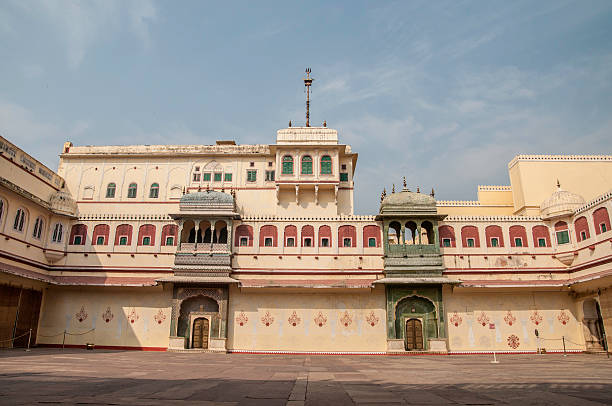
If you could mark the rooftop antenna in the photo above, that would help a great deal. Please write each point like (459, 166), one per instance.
(307, 82)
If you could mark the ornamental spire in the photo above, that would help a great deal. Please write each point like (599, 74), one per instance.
(383, 195)
(307, 82)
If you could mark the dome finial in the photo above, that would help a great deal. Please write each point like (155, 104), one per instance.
(393, 190)
(432, 194)
(382, 195)
(418, 190)
(404, 182)
(558, 184)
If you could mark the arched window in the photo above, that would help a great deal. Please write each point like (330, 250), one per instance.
(326, 165)
(518, 236)
(582, 228)
(154, 191)
(58, 232)
(494, 236)
(562, 232)
(100, 234)
(290, 236)
(268, 236)
(287, 165)
(447, 236)
(146, 234)
(132, 189)
(325, 235)
(38, 226)
(169, 232)
(541, 237)
(110, 190)
(601, 220)
(19, 220)
(1, 208)
(307, 236)
(78, 234)
(306, 165)
(470, 237)
(347, 236)
(244, 236)
(123, 235)
(371, 236)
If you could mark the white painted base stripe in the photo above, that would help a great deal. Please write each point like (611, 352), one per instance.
(509, 352)
(395, 353)
(308, 352)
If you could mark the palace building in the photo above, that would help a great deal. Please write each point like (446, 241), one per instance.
(255, 248)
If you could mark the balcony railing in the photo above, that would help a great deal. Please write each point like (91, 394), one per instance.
(409, 250)
(204, 247)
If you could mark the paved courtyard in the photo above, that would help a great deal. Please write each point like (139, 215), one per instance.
(52, 376)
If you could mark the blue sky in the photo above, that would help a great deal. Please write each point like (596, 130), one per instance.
(445, 93)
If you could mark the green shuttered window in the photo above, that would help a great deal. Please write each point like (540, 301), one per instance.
(326, 165)
(306, 165)
(287, 165)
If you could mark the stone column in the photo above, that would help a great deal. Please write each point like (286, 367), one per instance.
(229, 235)
(180, 234)
(174, 317)
(196, 228)
(386, 237)
(212, 233)
(223, 312)
(434, 231)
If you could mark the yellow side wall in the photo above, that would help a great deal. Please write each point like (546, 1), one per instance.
(534, 180)
(61, 310)
(471, 335)
(281, 335)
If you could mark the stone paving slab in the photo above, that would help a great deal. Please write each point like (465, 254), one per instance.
(70, 377)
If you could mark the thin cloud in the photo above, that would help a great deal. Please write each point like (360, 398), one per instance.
(81, 25)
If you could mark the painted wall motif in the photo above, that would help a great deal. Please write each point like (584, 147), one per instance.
(122, 317)
(300, 321)
(515, 317)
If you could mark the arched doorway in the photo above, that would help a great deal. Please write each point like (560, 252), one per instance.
(200, 333)
(416, 322)
(414, 335)
(194, 308)
(593, 322)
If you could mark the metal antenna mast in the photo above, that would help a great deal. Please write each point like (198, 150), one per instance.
(307, 82)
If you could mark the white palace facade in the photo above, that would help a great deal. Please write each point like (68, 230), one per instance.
(255, 248)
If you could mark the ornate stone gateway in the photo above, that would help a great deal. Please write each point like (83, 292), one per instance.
(202, 268)
(413, 272)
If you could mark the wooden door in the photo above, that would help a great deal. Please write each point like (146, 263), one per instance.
(414, 335)
(200, 333)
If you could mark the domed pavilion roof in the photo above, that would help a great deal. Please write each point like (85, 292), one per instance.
(62, 202)
(560, 203)
(208, 198)
(408, 198)
(207, 203)
(406, 202)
